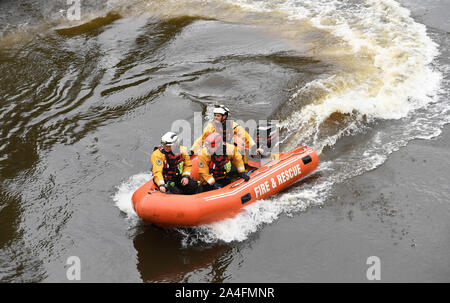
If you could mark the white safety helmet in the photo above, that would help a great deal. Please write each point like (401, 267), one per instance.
(169, 139)
(221, 109)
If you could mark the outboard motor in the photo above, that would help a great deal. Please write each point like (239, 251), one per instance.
(267, 137)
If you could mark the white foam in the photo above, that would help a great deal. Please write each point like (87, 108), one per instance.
(401, 49)
(122, 197)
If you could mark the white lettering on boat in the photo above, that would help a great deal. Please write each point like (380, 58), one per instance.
(262, 189)
(255, 180)
(286, 175)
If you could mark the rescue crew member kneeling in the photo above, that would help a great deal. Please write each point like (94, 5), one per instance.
(214, 163)
(172, 167)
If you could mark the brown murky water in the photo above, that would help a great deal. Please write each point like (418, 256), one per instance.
(82, 103)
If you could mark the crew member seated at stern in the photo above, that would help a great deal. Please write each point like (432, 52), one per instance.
(215, 161)
(172, 167)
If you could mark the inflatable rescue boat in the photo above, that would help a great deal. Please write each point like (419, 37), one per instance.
(170, 210)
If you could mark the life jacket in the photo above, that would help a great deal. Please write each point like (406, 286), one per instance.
(173, 166)
(225, 129)
(219, 166)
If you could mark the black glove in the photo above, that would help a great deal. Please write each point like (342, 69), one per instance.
(244, 176)
(215, 185)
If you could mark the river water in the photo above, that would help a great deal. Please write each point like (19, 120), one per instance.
(83, 103)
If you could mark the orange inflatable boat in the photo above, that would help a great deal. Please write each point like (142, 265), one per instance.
(169, 210)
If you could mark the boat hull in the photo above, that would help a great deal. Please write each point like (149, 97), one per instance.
(169, 210)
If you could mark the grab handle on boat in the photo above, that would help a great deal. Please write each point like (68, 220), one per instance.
(245, 198)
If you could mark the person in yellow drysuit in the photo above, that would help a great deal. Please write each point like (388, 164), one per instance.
(172, 167)
(214, 163)
(226, 128)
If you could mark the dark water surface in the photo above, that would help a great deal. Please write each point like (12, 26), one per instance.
(83, 103)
